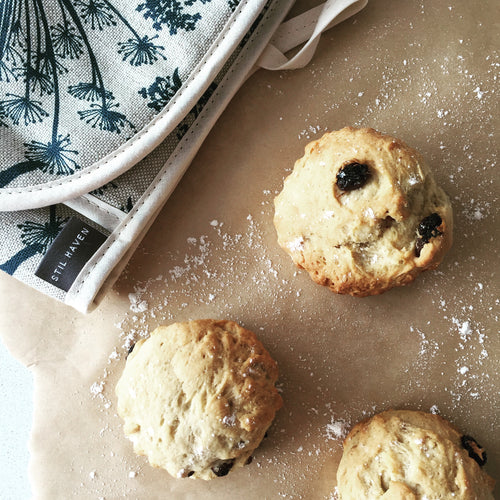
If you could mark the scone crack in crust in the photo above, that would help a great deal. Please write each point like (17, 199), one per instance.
(197, 397)
(409, 454)
(362, 236)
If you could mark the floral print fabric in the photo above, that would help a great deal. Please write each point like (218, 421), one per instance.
(78, 78)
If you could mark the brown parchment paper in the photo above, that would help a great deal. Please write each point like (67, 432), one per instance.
(425, 71)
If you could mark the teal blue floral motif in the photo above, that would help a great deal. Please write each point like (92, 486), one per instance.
(67, 42)
(36, 238)
(36, 53)
(104, 117)
(21, 107)
(89, 92)
(97, 13)
(53, 157)
(171, 14)
(161, 90)
(141, 50)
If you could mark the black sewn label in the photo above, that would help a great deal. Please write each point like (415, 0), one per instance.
(70, 251)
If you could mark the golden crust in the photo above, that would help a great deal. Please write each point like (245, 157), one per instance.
(403, 454)
(361, 242)
(198, 396)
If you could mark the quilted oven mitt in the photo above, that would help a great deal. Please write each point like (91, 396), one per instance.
(103, 105)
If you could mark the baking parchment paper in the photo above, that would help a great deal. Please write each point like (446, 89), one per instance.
(424, 71)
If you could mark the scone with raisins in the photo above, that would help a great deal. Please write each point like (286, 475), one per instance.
(411, 455)
(362, 213)
(197, 397)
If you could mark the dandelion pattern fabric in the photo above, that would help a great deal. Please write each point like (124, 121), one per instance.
(78, 78)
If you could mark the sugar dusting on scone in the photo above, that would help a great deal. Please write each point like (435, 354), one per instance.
(197, 397)
(362, 213)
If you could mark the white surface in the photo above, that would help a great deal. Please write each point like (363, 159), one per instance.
(16, 413)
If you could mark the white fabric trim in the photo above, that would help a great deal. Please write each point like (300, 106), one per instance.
(127, 235)
(97, 210)
(308, 28)
(127, 230)
(115, 164)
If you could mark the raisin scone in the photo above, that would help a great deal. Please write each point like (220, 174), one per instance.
(362, 213)
(411, 455)
(197, 397)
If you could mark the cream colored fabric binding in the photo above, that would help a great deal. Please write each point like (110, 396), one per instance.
(308, 28)
(104, 267)
(125, 215)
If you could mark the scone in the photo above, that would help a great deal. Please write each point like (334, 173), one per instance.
(197, 397)
(411, 455)
(362, 213)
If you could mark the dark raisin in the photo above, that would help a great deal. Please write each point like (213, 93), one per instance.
(190, 473)
(249, 460)
(130, 349)
(427, 229)
(352, 176)
(475, 450)
(222, 468)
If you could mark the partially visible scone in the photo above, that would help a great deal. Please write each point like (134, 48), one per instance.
(362, 213)
(411, 455)
(197, 397)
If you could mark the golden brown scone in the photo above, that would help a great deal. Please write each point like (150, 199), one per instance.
(197, 397)
(411, 455)
(361, 213)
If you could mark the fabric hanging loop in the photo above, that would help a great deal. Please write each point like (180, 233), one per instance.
(306, 27)
(115, 216)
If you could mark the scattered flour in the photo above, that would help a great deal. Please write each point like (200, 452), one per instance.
(337, 429)
(136, 304)
(414, 91)
(97, 388)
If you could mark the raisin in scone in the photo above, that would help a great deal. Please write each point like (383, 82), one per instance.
(197, 397)
(362, 213)
(411, 455)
